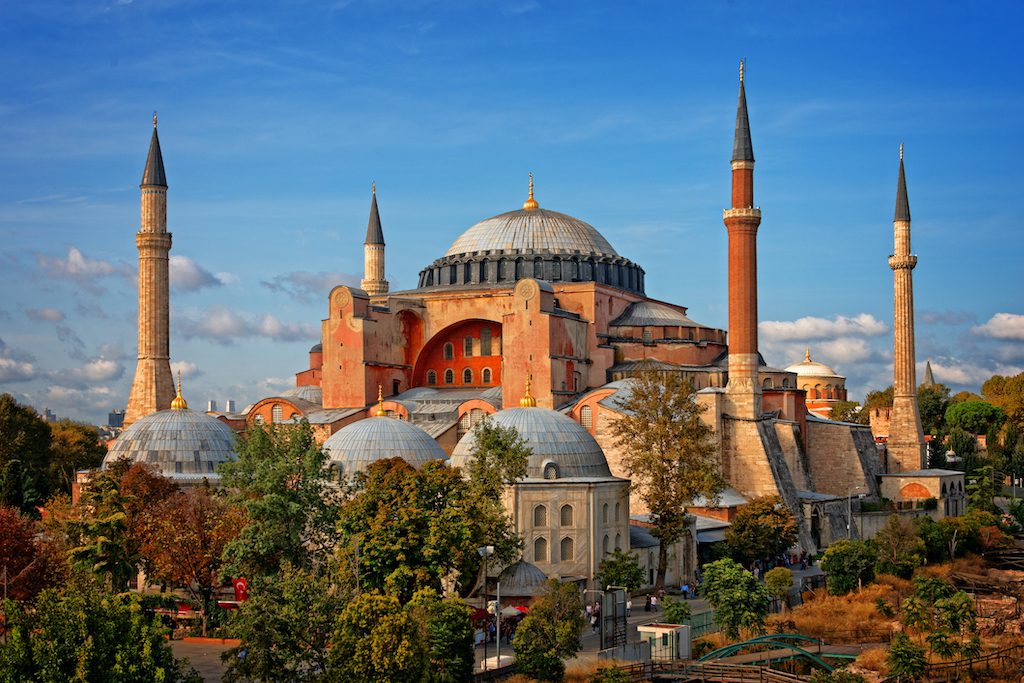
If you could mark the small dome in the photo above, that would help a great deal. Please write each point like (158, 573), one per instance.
(810, 368)
(561, 447)
(651, 314)
(317, 348)
(531, 231)
(312, 394)
(182, 443)
(522, 579)
(354, 447)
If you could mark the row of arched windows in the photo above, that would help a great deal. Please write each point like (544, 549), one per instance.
(540, 516)
(467, 376)
(448, 350)
(818, 392)
(566, 550)
(769, 384)
(604, 512)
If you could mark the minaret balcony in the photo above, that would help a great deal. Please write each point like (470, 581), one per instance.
(752, 212)
(903, 262)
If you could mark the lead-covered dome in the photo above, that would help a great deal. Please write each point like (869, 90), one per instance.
(183, 444)
(355, 447)
(561, 447)
(811, 368)
(532, 230)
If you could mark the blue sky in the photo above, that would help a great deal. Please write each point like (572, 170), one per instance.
(275, 119)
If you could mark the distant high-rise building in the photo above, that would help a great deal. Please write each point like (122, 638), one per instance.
(48, 415)
(211, 406)
(229, 406)
(115, 419)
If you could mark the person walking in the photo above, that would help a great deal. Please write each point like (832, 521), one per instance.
(629, 606)
(647, 603)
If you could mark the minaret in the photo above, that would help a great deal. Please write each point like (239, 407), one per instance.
(929, 378)
(906, 439)
(373, 282)
(153, 386)
(743, 390)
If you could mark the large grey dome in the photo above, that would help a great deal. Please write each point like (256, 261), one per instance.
(532, 230)
(522, 579)
(183, 444)
(355, 447)
(561, 447)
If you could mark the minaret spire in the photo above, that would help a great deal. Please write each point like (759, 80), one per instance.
(906, 444)
(373, 251)
(742, 148)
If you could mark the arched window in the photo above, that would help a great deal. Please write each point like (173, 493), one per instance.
(538, 268)
(449, 376)
(785, 383)
(566, 515)
(618, 511)
(485, 341)
(467, 376)
(618, 541)
(550, 471)
(767, 383)
(449, 351)
(431, 378)
(467, 347)
(567, 550)
(465, 423)
(487, 376)
(540, 550)
(604, 545)
(604, 513)
(587, 417)
(540, 515)
(275, 413)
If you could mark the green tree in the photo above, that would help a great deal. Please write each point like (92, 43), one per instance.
(836, 676)
(932, 401)
(450, 636)
(974, 417)
(24, 456)
(934, 538)
(621, 569)
(279, 479)
(906, 659)
(900, 549)
(881, 398)
(498, 459)
(612, 674)
(763, 529)
(963, 445)
(73, 446)
(81, 633)
(1007, 393)
(848, 411)
(982, 490)
(739, 600)
(287, 625)
(961, 396)
(849, 565)
(675, 611)
(376, 641)
(667, 451)
(550, 633)
(778, 581)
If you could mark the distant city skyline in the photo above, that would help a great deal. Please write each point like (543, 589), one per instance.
(275, 122)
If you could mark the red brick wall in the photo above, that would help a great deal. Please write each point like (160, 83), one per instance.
(432, 357)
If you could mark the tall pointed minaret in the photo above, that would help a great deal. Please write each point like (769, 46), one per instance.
(929, 378)
(153, 386)
(373, 282)
(906, 444)
(743, 390)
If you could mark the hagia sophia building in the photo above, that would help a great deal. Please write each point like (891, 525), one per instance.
(532, 316)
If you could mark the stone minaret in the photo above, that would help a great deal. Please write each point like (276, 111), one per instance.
(742, 220)
(153, 386)
(906, 439)
(373, 253)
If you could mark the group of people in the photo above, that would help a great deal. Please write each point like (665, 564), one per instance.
(488, 631)
(792, 561)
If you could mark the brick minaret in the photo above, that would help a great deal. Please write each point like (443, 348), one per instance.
(153, 386)
(742, 220)
(906, 439)
(373, 282)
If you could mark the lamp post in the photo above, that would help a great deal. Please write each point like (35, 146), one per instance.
(485, 552)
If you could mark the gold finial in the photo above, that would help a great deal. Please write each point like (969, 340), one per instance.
(530, 204)
(380, 402)
(154, 118)
(179, 402)
(373, 187)
(807, 356)
(901, 151)
(741, 69)
(527, 401)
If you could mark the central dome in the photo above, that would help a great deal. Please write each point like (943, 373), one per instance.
(530, 231)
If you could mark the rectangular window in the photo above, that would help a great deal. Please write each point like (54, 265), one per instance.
(467, 347)
(485, 341)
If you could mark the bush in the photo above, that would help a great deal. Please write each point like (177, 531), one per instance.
(906, 659)
(676, 611)
(850, 564)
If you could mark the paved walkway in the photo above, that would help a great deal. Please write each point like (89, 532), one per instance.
(203, 657)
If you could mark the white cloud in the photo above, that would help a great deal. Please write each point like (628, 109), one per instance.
(811, 327)
(222, 325)
(188, 276)
(98, 370)
(953, 371)
(80, 268)
(1002, 326)
(15, 366)
(188, 369)
(304, 285)
(51, 315)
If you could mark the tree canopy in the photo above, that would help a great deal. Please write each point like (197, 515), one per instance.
(550, 633)
(900, 549)
(621, 568)
(24, 455)
(850, 564)
(1007, 393)
(763, 529)
(740, 601)
(668, 452)
(32, 563)
(974, 417)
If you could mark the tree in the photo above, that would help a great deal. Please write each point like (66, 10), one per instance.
(621, 569)
(676, 611)
(286, 626)
(30, 563)
(376, 641)
(1007, 393)
(667, 451)
(906, 659)
(982, 490)
(778, 581)
(73, 446)
(974, 417)
(934, 538)
(279, 479)
(849, 564)
(961, 396)
(881, 398)
(24, 455)
(763, 529)
(450, 635)
(932, 401)
(848, 411)
(836, 676)
(185, 538)
(84, 634)
(963, 445)
(739, 600)
(900, 549)
(498, 459)
(550, 633)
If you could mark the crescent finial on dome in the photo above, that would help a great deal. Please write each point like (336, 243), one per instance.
(530, 204)
(380, 402)
(179, 402)
(527, 401)
(807, 355)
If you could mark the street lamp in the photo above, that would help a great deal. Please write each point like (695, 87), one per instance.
(485, 552)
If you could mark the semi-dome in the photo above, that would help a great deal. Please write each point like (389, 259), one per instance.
(561, 447)
(810, 368)
(355, 447)
(182, 443)
(313, 394)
